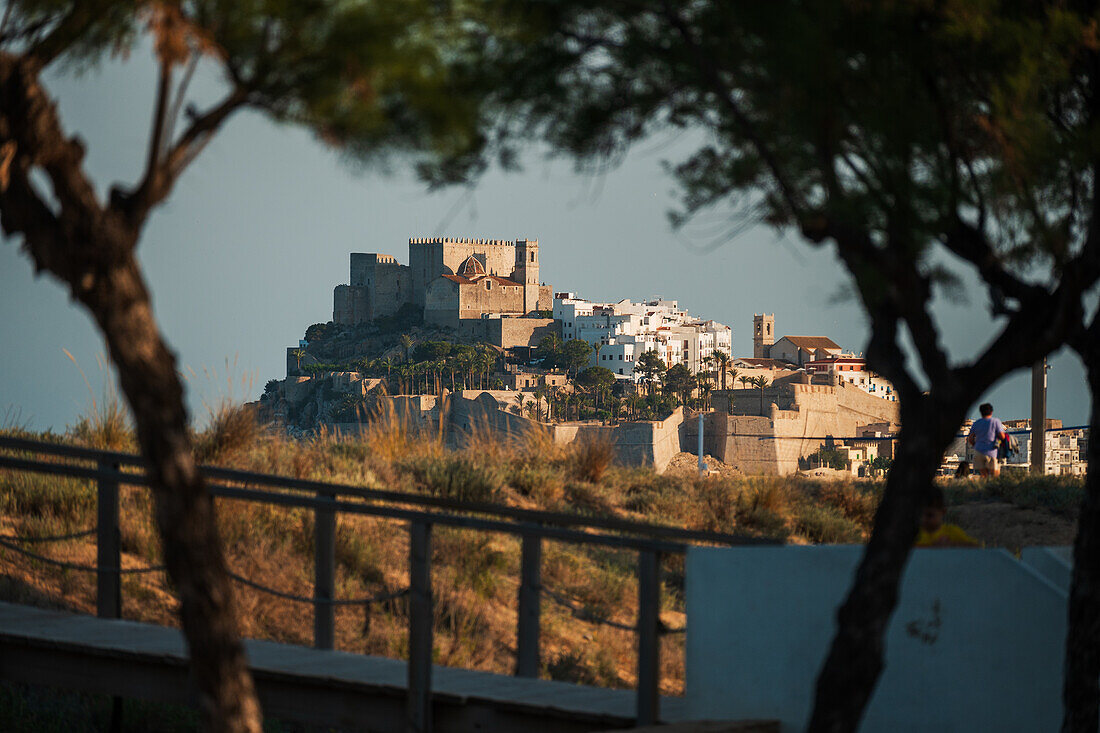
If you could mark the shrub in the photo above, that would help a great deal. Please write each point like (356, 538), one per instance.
(852, 501)
(592, 456)
(231, 429)
(357, 555)
(826, 525)
(105, 426)
(457, 477)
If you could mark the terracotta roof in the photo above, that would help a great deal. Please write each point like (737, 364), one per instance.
(812, 342)
(839, 360)
(773, 363)
(480, 278)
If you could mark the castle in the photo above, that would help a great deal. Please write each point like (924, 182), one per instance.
(453, 281)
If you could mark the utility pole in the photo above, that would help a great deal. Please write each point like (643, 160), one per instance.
(1038, 452)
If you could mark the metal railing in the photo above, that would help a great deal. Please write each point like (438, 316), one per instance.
(649, 541)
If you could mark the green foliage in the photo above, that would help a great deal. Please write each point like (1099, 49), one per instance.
(882, 463)
(679, 380)
(321, 331)
(575, 354)
(1060, 494)
(596, 377)
(432, 350)
(826, 525)
(650, 366)
(457, 477)
(830, 457)
(549, 351)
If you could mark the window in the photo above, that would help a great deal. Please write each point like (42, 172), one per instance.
(532, 256)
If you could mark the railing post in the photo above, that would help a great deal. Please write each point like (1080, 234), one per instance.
(108, 551)
(419, 702)
(108, 596)
(649, 600)
(530, 584)
(324, 576)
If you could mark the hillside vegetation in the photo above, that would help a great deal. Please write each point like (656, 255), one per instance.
(475, 575)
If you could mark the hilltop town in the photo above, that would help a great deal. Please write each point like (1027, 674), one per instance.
(466, 335)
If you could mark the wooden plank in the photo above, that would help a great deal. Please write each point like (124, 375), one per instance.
(649, 640)
(108, 597)
(419, 709)
(530, 586)
(324, 576)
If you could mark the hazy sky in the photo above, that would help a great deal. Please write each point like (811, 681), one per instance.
(246, 252)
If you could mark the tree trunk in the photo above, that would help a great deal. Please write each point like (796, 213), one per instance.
(184, 508)
(855, 659)
(90, 248)
(1081, 694)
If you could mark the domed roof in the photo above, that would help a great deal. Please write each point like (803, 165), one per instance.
(470, 267)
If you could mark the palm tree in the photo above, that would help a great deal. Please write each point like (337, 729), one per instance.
(761, 382)
(704, 392)
(298, 354)
(542, 395)
(722, 360)
(406, 343)
(745, 380)
(708, 362)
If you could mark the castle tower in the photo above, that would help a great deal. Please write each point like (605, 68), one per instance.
(527, 271)
(763, 335)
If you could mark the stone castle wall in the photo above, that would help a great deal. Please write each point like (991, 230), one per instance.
(797, 418)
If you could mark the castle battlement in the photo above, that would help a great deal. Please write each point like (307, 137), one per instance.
(446, 278)
(471, 240)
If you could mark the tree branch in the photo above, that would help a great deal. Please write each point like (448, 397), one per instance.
(722, 92)
(156, 136)
(138, 204)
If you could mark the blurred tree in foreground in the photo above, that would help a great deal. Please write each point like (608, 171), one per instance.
(918, 139)
(370, 78)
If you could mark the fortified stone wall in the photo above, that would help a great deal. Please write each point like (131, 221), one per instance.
(546, 298)
(465, 413)
(441, 302)
(508, 333)
(349, 304)
(488, 296)
(430, 258)
(636, 444)
(798, 417)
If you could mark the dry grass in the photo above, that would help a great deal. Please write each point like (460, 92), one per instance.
(475, 575)
(232, 428)
(592, 457)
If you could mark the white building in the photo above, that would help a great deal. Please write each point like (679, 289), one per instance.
(854, 370)
(620, 333)
(1066, 448)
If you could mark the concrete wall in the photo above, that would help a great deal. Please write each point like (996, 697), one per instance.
(975, 644)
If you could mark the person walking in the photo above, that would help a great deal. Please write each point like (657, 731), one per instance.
(985, 436)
